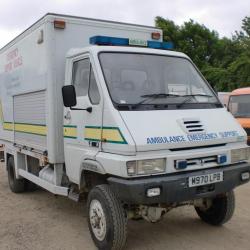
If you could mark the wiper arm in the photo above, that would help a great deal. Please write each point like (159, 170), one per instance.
(154, 96)
(191, 96)
(159, 95)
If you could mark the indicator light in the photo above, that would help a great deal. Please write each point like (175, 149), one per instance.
(156, 35)
(180, 164)
(59, 24)
(221, 159)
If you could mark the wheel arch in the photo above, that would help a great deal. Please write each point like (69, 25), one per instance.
(91, 173)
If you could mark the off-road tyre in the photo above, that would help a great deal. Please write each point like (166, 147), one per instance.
(16, 185)
(116, 220)
(220, 212)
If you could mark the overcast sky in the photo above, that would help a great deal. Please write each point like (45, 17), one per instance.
(222, 16)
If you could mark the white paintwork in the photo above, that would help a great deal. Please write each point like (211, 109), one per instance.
(166, 123)
(44, 184)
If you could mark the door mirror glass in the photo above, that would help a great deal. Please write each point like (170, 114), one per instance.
(69, 96)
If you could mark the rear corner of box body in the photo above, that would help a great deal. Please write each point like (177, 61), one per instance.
(27, 72)
(54, 100)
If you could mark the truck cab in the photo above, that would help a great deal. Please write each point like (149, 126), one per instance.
(239, 106)
(146, 119)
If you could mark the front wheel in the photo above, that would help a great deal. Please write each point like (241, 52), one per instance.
(106, 218)
(220, 211)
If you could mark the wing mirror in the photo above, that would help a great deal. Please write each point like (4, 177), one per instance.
(69, 98)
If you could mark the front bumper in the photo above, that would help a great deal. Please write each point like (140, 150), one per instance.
(174, 187)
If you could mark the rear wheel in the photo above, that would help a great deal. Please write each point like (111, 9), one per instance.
(106, 219)
(16, 185)
(220, 211)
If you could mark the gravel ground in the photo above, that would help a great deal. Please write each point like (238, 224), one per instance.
(40, 220)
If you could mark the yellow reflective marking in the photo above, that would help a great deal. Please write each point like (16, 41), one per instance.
(8, 126)
(26, 128)
(111, 135)
(70, 132)
(93, 133)
(105, 134)
(31, 129)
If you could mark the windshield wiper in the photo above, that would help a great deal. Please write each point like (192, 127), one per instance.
(154, 96)
(190, 97)
(159, 95)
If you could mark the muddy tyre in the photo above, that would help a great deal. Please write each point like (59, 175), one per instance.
(221, 210)
(106, 219)
(16, 185)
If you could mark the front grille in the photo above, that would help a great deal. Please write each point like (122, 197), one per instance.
(202, 161)
(247, 131)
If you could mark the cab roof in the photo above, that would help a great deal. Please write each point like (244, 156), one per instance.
(123, 49)
(241, 91)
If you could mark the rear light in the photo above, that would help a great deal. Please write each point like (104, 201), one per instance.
(59, 24)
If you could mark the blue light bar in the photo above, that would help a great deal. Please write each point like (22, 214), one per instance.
(108, 40)
(160, 45)
(118, 41)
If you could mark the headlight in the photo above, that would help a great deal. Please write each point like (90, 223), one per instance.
(146, 167)
(242, 154)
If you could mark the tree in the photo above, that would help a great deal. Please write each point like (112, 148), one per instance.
(246, 25)
(170, 30)
(225, 62)
(194, 39)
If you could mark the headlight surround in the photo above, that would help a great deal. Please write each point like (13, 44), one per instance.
(241, 154)
(146, 167)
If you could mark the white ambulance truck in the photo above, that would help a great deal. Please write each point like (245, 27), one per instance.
(102, 108)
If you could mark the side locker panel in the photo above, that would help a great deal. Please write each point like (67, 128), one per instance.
(30, 120)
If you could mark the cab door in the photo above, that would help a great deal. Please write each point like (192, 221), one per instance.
(82, 128)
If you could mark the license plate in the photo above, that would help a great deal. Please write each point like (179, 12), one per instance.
(205, 179)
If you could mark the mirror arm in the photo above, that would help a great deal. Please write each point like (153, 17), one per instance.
(89, 109)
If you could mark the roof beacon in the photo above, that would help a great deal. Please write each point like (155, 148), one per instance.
(119, 41)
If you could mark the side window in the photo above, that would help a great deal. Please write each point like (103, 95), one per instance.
(94, 94)
(80, 77)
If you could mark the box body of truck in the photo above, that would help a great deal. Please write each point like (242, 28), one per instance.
(33, 73)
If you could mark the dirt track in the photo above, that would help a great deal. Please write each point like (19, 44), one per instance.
(39, 220)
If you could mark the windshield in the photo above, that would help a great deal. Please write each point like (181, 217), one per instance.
(146, 79)
(239, 106)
